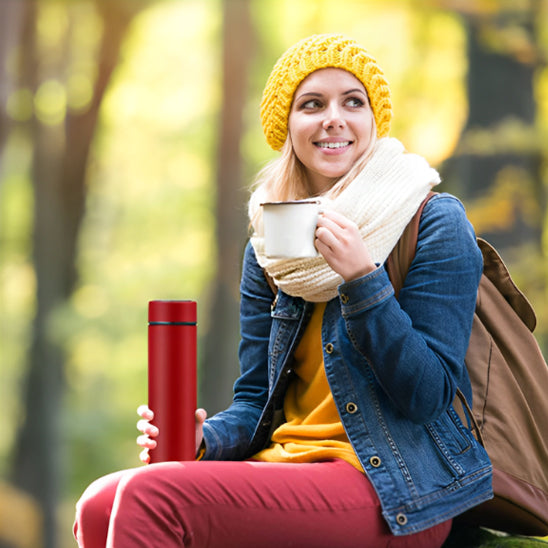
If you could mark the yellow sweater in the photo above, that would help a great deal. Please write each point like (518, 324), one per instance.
(313, 431)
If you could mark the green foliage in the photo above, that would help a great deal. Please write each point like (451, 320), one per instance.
(462, 537)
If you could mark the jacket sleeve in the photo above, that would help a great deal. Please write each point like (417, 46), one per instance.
(227, 434)
(416, 345)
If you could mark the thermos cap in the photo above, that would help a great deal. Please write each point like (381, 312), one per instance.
(172, 312)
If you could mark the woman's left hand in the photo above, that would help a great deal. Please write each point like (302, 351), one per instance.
(338, 240)
(148, 433)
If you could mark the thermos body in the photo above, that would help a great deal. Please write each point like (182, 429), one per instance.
(172, 341)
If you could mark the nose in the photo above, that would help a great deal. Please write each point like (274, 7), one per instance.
(333, 117)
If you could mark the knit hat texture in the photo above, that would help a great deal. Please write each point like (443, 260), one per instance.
(311, 54)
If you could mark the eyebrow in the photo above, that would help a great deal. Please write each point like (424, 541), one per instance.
(316, 94)
(354, 91)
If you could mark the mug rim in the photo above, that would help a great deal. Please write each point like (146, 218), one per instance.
(289, 202)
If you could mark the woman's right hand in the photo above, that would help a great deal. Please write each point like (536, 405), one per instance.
(201, 416)
(149, 431)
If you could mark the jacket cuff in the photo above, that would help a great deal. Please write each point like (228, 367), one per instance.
(365, 292)
(210, 444)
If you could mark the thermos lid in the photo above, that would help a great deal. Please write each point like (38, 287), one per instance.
(172, 312)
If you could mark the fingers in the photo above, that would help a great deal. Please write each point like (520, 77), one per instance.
(333, 229)
(335, 233)
(146, 428)
(144, 456)
(146, 442)
(334, 219)
(339, 241)
(145, 412)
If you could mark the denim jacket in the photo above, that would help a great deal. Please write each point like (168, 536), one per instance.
(393, 367)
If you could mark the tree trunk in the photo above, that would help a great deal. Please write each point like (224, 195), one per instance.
(60, 156)
(11, 16)
(220, 363)
(498, 161)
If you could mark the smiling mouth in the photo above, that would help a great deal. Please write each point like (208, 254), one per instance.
(338, 144)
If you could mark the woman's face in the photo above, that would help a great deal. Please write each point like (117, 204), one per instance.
(330, 124)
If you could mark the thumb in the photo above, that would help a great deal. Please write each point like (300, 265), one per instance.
(200, 415)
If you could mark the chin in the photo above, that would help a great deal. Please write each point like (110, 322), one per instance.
(335, 174)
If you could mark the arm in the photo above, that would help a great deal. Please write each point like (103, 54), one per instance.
(416, 345)
(227, 434)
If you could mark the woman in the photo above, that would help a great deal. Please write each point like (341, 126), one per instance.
(341, 431)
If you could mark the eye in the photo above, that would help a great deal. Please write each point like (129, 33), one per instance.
(355, 102)
(310, 104)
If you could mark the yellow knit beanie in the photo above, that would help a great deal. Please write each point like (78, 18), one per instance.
(313, 53)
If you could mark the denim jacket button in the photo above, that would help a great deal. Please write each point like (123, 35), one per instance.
(329, 348)
(351, 407)
(401, 519)
(375, 461)
(344, 298)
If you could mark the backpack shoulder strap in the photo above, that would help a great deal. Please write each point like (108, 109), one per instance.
(402, 255)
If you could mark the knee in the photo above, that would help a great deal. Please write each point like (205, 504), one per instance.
(140, 487)
(94, 508)
(151, 490)
(94, 503)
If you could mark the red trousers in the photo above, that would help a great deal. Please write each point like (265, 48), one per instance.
(238, 505)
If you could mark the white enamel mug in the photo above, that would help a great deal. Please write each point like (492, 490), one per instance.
(289, 228)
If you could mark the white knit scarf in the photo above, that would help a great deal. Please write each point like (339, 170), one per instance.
(381, 200)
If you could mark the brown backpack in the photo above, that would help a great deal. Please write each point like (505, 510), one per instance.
(509, 379)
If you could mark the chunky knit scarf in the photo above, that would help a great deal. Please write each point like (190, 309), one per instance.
(381, 200)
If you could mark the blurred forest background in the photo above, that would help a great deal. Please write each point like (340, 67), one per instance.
(129, 136)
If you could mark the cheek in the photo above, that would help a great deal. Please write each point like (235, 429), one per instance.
(368, 124)
(295, 129)
(301, 125)
(364, 132)
(300, 151)
(300, 136)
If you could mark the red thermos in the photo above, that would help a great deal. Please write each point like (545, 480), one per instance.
(172, 378)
